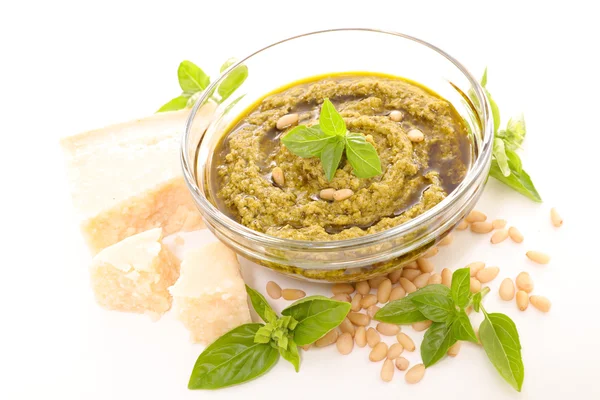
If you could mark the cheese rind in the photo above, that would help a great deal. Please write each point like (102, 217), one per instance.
(210, 296)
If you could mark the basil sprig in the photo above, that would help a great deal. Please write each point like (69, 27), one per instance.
(193, 81)
(328, 140)
(250, 350)
(446, 308)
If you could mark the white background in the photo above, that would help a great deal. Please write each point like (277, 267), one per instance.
(69, 67)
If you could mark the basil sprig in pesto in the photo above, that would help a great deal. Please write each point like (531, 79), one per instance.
(446, 307)
(250, 350)
(328, 140)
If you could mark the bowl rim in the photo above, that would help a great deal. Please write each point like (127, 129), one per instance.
(480, 165)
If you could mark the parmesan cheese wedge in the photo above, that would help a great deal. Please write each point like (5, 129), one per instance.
(210, 295)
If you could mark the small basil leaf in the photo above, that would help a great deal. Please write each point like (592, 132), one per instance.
(232, 359)
(499, 153)
(436, 307)
(178, 103)
(436, 342)
(462, 328)
(484, 78)
(500, 340)
(232, 81)
(305, 141)
(477, 301)
(515, 132)
(401, 311)
(461, 287)
(191, 77)
(261, 306)
(514, 161)
(519, 181)
(316, 315)
(291, 354)
(330, 120)
(362, 156)
(227, 64)
(331, 156)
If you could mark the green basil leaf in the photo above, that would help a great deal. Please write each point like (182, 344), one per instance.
(316, 315)
(462, 328)
(331, 156)
(514, 161)
(178, 103)
(495, 111)
(261, 306)
(436, 342)
(438, 289)
(499, 153)
(484, 78)
(227, 64)
(519, 181)
(401, 311)
(330, 120)
(191, 77)
(515, 132)
(291, 354)
(477, 298)
(434, 306)
(232, 359)
(362, 156)
(461, 287)
(500, 340)
(232, 81)
(306, 142)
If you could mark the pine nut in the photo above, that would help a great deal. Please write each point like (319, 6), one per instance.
(342, 194)
(555, 217)
(411, 274)
(475, 285)
(402, 363)
(524, 282)
(515, 235)
(507, 290)
(499, 236)
(277, 175)
(355, 303)
(487, 274)
(373, 337)
(327, 194)
(384, 290)
(387, 329)
(359, 319)
(446, 277)
(431, 252)
(475, 267)
(394, 351)
(447, 240)
(397, 293)
(454, 349)
(363, 288)
(411, 265)
(462, 225)
(305, 347)
(405, 341)
(395, 275)
(475, 216)
(368, 300)
(415, 374)
(481, 227)
(292, 294)
(538, 257)
(345, 343)
(360, 336)
(522, 300)
(541, 303)
(396, 116)
(499, 223)
(379, 352)
(435, 279)
(347, 327)
(287, 120)
(372, 310)
(387, 371)
(415, 135)
(375, 282)
(342, 288)
(342, 297)
(422, 325)
(425, 265)
(273, 290)
(407, 285)
(421, 280)
(469, 310)
(329, 339)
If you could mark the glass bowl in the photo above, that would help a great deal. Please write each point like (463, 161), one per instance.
(320, 53)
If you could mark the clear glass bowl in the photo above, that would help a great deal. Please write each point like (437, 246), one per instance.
(318, 53)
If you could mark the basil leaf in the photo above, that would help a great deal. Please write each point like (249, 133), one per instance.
(484, 78)
(330, 120)
(232, 359)
(291, 354)
(515, 132)
(362, 156)
(436, 342)
(500, 340)
(316, 315)
(178, 103)
(519, 181)
(434, 306)
(191, 78)
(401, 311)
(514, 161)
(232, 81)
(477, 301)
(331, 156)
(462, 328)
(499, 153)
(495, 110)
(461, 287)
(438, 289)
(227, 64)
(306, 142)
(261, 306)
